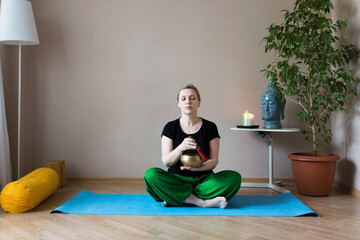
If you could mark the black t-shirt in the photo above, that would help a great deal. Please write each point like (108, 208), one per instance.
(206, 133)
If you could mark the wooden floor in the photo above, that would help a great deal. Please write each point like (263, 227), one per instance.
(340, 219)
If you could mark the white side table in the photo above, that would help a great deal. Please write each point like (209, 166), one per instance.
(262, 133)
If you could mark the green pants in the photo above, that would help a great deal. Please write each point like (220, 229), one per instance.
(174, 189)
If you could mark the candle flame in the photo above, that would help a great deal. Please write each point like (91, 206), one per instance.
(248, 115)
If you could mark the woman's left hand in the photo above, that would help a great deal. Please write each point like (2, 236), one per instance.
(190, 168)
(203, 167)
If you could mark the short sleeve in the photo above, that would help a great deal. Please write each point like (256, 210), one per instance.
(169, 130)
(213, 131)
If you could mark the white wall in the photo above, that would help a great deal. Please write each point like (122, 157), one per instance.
(107, 74)
(346, 128)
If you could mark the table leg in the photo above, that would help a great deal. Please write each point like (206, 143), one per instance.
(274, 186)
(271, 168)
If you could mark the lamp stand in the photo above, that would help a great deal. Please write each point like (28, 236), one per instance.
(17, 27)
(19, 117)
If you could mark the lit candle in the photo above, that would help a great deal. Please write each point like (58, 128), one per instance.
(248, 119)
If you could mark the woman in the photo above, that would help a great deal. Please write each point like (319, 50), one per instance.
(181, 184)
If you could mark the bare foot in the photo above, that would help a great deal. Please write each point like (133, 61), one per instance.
(218, 202)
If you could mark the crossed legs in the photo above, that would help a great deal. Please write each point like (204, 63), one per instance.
(213, 190)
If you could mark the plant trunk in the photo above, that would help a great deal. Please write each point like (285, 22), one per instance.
(312, 113)
(314, 140)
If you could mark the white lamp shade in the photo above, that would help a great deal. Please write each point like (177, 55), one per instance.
(17, 23)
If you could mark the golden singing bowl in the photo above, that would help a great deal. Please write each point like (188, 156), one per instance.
(193, 160)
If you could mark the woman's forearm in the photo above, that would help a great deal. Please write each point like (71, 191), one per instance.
(210, 164)
(169, 159)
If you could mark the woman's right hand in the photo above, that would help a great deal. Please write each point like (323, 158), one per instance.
(188, 144)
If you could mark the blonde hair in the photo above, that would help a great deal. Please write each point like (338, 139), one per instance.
(189, 86)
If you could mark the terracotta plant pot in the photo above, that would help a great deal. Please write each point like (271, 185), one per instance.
(314, 175)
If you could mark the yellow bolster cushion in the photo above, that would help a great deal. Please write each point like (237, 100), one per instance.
(27, 192)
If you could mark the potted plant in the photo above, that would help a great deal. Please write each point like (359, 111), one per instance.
(310, 70)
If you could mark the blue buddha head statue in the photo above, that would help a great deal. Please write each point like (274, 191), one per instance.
(272, 106)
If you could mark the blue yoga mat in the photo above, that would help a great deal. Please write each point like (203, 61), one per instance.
(281, 205)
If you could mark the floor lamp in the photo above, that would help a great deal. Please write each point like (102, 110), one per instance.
(17, 27)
